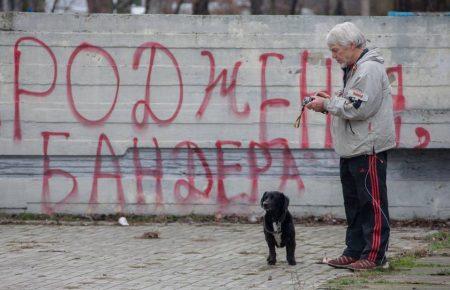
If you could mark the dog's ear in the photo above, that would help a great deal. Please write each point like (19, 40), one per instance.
(286, 203)
(263, 198)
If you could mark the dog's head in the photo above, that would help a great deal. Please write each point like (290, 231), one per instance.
(274, 201)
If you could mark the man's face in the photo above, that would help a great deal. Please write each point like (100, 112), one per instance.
(342, 54)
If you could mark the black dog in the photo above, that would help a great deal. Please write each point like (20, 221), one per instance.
(278, 226)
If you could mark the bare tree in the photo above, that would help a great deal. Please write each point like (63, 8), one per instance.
(36, 5)
(177, 9)
(41, 5)
(6, 5)
(23, 5)
(255, 7)
(123, 6)
(402, 5)
(158, 6)
(54, 6)
(438, 5)
(200, 7)
(339, 8)
(293, 7)
(273, 7)
(17, 5)
(365, 7)
(281, 7)
(422, 5)
(327, 7)
(100, 6)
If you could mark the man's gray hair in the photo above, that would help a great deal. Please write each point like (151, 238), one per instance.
(345, 34)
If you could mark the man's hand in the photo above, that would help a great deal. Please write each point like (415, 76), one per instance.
(323, 95)
(318, 103)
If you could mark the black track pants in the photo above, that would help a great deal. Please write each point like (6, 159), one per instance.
(363, 181)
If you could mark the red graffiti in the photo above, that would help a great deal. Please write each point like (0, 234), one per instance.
(255, 170)
(423, 137)
(304, 93)
(141, 172)
(20, 91)
(398, 99)
(290, 170)
(198, 180)
(278, 102)
(98, 174)
(193, 192)
(223, 170)
(328, 139)
(224, 91)
(399, 106)
(154, 46)
(49, 172)
(90, 48)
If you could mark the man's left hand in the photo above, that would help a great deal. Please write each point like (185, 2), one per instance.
(317, 104)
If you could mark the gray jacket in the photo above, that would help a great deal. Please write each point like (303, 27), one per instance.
(363, 118)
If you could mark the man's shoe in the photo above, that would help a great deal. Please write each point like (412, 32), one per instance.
(342, 261)
(362, 265)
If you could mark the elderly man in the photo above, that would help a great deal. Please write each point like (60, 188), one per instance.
(362, 131)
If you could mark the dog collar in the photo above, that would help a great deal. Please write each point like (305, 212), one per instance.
(276, 233)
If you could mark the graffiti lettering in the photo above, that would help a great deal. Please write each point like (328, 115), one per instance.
(90, 48)
(141, 172)
(20, 91)
(278, 102)
(49, 172)
(154, 46)
(224, 91)
(98, 174)
(193, 192)
(262, 152)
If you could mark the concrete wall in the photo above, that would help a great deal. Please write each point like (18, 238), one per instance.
(87, 127)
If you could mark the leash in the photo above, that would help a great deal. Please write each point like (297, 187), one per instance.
(306, 101)
(297, 122)
(278, 231)
(276, 234)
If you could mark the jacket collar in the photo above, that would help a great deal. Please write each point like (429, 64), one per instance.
(353, 67)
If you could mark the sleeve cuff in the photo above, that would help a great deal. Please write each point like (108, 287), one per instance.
(326, 103)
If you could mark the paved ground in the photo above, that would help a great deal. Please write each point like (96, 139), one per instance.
(185, 256)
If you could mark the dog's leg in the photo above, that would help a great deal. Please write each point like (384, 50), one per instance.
(272, 258)
(290, 253)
